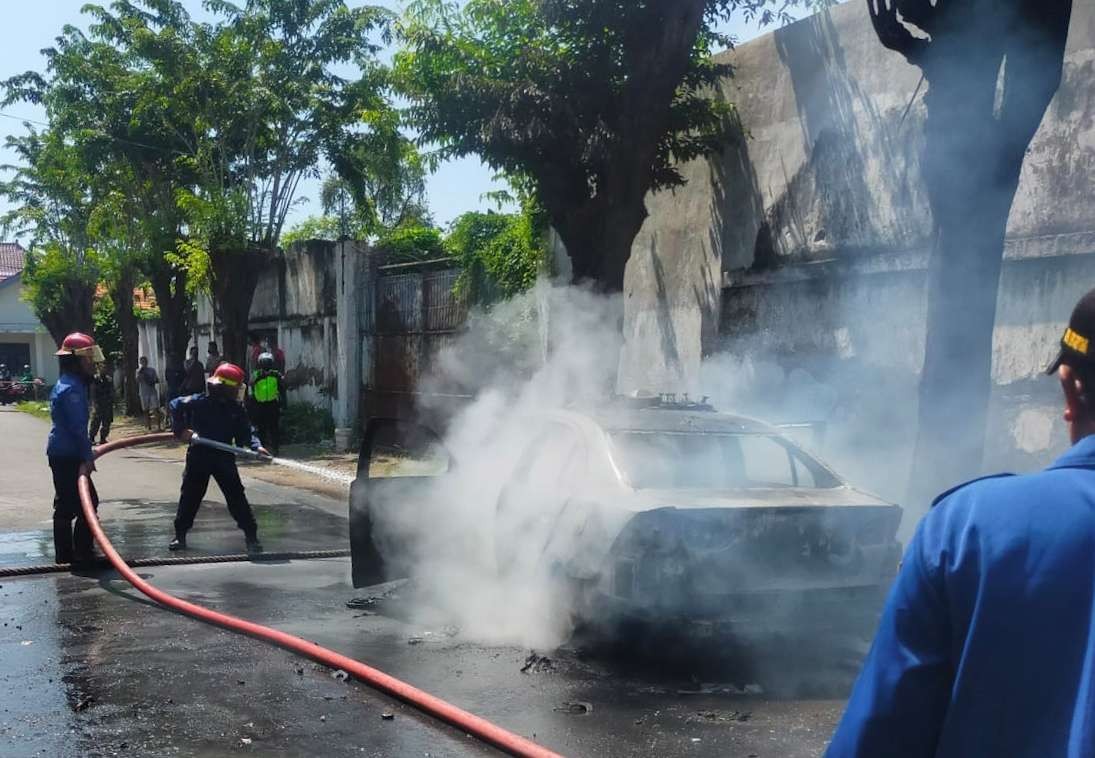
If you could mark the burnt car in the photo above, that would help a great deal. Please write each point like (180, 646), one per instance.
(657, 512)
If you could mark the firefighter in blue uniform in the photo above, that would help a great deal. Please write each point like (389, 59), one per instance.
(986, 646)
(69, 447)
(216, 415)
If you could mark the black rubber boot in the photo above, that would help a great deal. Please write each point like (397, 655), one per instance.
(179, 543)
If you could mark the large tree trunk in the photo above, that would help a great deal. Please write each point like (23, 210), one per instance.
(122, 295)
(176, 312)
(235, 276)
(598, 237)
(992, 69)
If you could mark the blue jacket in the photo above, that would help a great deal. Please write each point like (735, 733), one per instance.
(214, 418)
(68, 408)
(987, 643)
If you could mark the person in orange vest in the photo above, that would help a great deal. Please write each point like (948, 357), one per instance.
(217, 414)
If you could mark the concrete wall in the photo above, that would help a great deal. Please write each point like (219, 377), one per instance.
(794, 260)
(19, 326)
(295, 301)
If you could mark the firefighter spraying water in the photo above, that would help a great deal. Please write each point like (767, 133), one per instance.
(219, 416)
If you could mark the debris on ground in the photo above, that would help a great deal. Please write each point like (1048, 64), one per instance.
(722, 689)
(340, 675)
(245, 740)
(537, 664)
(83, 703)
(388, 716)
(416, 640)
(720, 717)
(382, 592)
(579, 708)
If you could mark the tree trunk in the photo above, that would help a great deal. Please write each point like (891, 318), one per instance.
(176, 311)
(122, 295)
(981, 118)
(235, 277)
(598, 238)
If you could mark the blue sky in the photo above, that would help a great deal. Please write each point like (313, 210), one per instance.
(456, 187)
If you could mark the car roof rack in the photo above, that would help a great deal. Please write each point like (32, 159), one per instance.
(669, 401)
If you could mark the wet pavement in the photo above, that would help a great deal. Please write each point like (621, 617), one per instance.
(93, 668)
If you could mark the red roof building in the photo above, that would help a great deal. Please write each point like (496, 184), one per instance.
(12, 259)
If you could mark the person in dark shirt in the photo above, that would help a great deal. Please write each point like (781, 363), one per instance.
(216, 415)
(102, 395)
(194, 383)
(69, 447)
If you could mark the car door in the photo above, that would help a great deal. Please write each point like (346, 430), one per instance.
(535, 495)
(400, 467)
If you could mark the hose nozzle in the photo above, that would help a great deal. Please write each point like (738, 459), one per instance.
(239, 452)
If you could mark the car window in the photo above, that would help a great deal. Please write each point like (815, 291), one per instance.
(676, 460)
(766, 462)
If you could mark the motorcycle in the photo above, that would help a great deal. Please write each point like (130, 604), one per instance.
(12, 392)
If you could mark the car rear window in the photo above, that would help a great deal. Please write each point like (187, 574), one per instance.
(676, 460)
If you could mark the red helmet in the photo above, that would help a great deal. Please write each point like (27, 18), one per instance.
(81, 344)
(228, 374)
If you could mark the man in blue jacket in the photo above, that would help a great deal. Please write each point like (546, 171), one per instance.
(69, 447)
(217, 415)
(986, 646)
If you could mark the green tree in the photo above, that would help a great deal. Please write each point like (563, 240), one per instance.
(51, 192)
(596, 101)
(500, 254)
(100, 91)
(262, 106)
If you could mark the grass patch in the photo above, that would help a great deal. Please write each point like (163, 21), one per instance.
(39, 408)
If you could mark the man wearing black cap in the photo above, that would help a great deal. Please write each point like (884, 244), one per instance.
(987, 643)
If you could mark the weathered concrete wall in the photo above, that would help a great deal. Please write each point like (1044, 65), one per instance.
(295, 302)
(796, 257)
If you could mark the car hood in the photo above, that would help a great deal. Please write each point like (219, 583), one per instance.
(780, 497)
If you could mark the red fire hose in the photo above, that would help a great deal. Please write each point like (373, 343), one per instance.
(471, 724)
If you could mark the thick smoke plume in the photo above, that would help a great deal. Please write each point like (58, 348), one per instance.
(552, 348)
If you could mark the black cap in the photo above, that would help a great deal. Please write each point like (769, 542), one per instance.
(1078, 342)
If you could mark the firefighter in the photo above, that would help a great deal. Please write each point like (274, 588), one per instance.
(217, 415)
(268, 396)
(986, 646)
(69, 447)
(102, 394)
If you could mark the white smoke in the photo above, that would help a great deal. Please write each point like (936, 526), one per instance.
(552, 348)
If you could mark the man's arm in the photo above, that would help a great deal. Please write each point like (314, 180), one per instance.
(245, 433)
(901, 697)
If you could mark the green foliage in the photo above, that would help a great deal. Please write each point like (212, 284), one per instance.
(312, 228)
(107, 331)
(500, 254)
(306, 423)
(597, 102)
(411, 243)
(59, 284)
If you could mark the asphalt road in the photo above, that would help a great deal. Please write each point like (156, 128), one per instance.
(92, 668)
